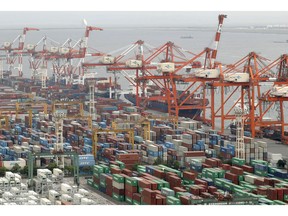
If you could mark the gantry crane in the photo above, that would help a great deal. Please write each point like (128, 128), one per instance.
(65, 105)
(28, 106)
(67, 52)
(6, 121)
(96, 132)
(143, 122)
(12, 54)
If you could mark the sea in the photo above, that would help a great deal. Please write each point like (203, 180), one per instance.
(235, 43)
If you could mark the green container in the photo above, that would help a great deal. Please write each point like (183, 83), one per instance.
(121, 164)
(240, 193)
(286, 197)
(238, 161)
(168, 169)
(103, 183)
(118, 197)
(128, 200)
(250, 188)
(159, 183)
(171, 200)
(106, 169)
(237, 187)
(219, 182)
(165, 183)
(240, 178)
(261, 173)
(96, 186)
(178, 194)
(199, 175)
(90, 182)
(253, 162)
(118, 178)
(131, 181)
(227, 186)
(278, 202)
(188, 182)
(97, 175)
(140, 190)
(136, 202)
(98, 169)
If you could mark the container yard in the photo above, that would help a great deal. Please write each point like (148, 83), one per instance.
(76, 139)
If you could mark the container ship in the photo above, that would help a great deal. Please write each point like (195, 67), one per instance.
(162, 106)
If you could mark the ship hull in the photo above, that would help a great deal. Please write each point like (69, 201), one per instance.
(163, 107)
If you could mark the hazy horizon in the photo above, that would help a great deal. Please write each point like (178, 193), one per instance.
(140, 19)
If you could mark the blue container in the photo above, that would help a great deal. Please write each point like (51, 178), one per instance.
(200, 142)
(247, 133)
(150, 170)
(223, 149)
(209, 181)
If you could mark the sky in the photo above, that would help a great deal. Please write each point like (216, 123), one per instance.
(148, 13)
(140, 18)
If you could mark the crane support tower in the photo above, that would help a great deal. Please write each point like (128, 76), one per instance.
(240, 148)
(58, 147)
(92, 113)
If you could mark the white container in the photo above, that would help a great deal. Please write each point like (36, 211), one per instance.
(86, 201)
(45, 201)
(207, 73)
(54, 49)
(65, 188)
(9, 164)
(64, 50)
(166, 67)
(15, 191)
(42, 177)
(237, 77)
(30, 46)
(77, 199)
(83, 192)
(134, 63)
(10, 176)
(118, 185)
(107, 60)
(8, 196)
(58, 172)
(6, 44)
(31, 202)
(66, 198)
(53, 195)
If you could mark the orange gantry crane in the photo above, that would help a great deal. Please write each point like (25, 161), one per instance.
(276, 96)
(171, 74)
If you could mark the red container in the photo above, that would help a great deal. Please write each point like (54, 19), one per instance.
(137, 197)
(206, 165)
(189, 175)
(212, 189)
(118, 191)
(201, 182)
(144, 184)
(280, 194)
(211, 162)
(184, 200)
(258, 182)
(179, 189)
(131, 188)
(232, 177)
(236, 170)
(159, 174)
(129, 194)
(148, 193)
(226, 166)
(247, 168)
(272, 193)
